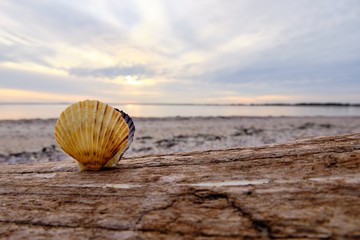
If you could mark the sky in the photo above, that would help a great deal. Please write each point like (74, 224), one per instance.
(169, 51)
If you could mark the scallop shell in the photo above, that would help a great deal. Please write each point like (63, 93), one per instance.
(94, 133)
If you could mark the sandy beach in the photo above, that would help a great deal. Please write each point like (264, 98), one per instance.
(30, 141)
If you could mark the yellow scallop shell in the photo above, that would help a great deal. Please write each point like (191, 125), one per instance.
(94, 133)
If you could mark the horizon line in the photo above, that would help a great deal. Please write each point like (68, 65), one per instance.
(338, 104)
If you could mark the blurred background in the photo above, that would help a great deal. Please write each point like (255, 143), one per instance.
(187, 52)
(195, 75)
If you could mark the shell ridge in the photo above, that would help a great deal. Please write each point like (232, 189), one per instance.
(112, 162)
(84, 108)
(86, 133)
(103, 131)
(77, 125)
(124, 129)
(118, 131)
(93, 125)
(111, 145)
(60, 131)
(60, 141)
(122, 137)
(72, 140)
(125, 147)
(85, 127)
(76, 142)
(120, 142)
(105, 155)
(79, 144)
(101, 110)
(108, 123)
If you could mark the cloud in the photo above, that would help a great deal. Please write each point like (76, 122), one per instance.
(202, 50)
(112, 72)
(21, 52)
(71, 88)
(31, 81)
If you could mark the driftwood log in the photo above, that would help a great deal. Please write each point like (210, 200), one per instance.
(304, 189)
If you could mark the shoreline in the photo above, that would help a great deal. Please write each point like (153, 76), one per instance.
(306, 104)
(20, 112)
(32, 140)
(171, 118)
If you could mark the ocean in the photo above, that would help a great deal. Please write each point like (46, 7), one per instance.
(45, 111)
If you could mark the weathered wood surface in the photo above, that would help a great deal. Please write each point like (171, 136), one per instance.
(305, 189)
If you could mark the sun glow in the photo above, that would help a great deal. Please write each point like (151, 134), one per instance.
(132, 80)
(15, 95)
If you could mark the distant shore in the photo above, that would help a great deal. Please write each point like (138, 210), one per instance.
(302, 104)
(53, 110)
(30, 141)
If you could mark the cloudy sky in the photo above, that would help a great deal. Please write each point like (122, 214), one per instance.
(170, 51)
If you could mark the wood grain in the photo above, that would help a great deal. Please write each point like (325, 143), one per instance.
(304, 189)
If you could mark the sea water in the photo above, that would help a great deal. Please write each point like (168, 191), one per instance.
(44, 111)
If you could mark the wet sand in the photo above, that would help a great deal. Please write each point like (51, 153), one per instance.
(30, 141)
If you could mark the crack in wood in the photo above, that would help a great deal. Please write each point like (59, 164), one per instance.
(259, 226)
(144, 213)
